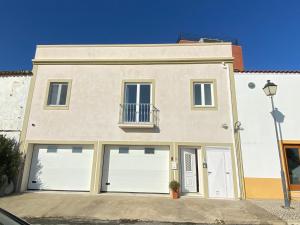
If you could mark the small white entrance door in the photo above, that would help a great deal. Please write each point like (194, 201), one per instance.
(189, 170)
(219, 168)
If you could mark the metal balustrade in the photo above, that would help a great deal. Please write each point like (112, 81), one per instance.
(143, 113)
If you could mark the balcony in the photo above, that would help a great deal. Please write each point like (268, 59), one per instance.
(143, 115)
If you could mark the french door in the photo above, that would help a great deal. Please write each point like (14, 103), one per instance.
(137, 102)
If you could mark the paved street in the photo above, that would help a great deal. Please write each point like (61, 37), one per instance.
(127, 209)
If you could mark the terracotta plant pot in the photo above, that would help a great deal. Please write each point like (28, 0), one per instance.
(175, 194)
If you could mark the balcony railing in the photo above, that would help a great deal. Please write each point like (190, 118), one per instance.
(138, 115)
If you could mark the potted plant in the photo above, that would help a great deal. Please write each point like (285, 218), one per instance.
(174, 186)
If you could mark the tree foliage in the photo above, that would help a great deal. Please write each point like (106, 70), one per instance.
(10, 158)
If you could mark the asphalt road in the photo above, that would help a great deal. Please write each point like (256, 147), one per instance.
(61, 221)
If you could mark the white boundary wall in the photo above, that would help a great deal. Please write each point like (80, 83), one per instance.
(13, 96)
(258, 139)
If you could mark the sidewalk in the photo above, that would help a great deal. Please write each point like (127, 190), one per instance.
(291, 216)
(135, 207)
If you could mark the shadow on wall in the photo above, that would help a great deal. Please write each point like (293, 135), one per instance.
(141, 130)
(36, 176)
(279, 118)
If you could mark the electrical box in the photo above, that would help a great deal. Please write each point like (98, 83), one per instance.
(174, 165)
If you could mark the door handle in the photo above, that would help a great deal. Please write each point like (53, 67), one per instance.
(107, 183)
(209, 172)
(227, 172)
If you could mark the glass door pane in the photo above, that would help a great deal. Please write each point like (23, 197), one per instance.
(129, 107)
(145, 106)
(293, 161)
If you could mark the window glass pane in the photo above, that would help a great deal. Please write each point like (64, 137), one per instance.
(207, 94)
(149, 150)
(293, 160)
(53, 92)
(51, 149)
(188, 162)
(129, 107)
(77, 150)
(123, 150)
(145, 93)
(6, 220)
(63, 94)
(130, 93)
(197, 94)
(144, 107)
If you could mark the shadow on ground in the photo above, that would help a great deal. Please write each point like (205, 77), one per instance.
(66, 221)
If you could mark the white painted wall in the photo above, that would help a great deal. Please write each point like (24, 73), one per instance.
(259, 148)
(13, 95)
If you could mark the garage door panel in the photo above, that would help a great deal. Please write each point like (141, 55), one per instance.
(136, 171)
(61, 169)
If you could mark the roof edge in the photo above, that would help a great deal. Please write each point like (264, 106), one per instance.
(132, 45)
(269, 71)
(15, 73)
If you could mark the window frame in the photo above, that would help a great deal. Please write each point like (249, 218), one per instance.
(64, 107)
(292, 187)
(213, 83)
(140, 82)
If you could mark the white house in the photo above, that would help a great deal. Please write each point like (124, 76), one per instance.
(131, 118)
(14, 86)
(257, 135)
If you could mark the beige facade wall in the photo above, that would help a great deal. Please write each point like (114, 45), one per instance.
(113, 52)
(93, 112)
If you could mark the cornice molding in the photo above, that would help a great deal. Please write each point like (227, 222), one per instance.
(130, 61)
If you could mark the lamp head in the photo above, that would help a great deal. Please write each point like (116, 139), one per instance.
(270, 88)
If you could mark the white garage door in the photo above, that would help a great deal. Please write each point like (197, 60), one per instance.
(136, 169)
(61, 168)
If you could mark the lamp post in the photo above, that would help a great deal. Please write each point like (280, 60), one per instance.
(270, 90)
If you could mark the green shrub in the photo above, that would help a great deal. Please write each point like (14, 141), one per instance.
(10, 159)
(174, 185)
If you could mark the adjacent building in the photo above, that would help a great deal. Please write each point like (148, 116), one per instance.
(131, 118)
(14, 86)
(258, 139)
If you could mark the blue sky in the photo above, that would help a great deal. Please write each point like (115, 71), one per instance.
(268, 30)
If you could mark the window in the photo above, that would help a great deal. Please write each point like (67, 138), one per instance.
(292, 157)
(77, 150)
(51, 149)
(137, 102)
(203, 94)
(57, 93)
(123, 150)
(188, 162)
(149, 151)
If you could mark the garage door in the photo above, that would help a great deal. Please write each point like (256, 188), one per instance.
(61, 168)
(136, 169)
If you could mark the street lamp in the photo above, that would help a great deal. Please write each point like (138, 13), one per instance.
(270, 90)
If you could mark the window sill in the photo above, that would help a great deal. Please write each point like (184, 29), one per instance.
(137, 125)
(204, 107)
(56, 107)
